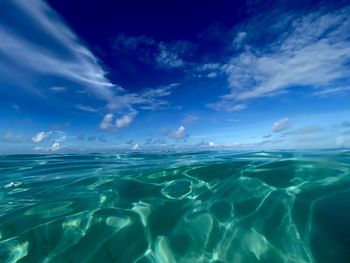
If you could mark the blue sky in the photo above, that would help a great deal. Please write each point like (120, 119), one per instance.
(102, 76)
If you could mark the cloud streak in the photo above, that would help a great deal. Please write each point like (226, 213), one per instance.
(71, 60)
(50, 49)
(281, 125)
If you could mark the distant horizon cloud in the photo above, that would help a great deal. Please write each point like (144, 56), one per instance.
(178, 134)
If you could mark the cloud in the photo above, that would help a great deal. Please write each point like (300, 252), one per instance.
(212, 75)
(55, 146)
(169, 56)
(124, 121)
(148, 99)
(331, 91)
(40, 136)
(106, 122)
(57, 136)
(146, 49)
(58, 89)
(48, 47)
(135, 147)
(109, 123)
(239, 39)
(86, 108)
(226, 105)
(179, 134)
(281, 125)
(211, 144)
(311, 50)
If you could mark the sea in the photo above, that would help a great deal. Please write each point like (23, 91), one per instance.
(164, 207)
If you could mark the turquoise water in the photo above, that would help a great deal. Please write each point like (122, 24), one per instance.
(176, 207)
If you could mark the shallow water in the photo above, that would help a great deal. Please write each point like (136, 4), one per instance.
(176, 207)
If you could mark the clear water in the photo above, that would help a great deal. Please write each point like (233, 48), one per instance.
(176, 207)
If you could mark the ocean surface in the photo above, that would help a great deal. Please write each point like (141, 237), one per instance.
(176, 207)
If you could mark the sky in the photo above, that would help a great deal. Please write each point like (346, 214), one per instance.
(89, 76)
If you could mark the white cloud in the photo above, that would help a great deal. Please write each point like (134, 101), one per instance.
(211, 144)
(86, 108)
(179, 134)
(124, 121)
(69, 60)
(106, 122)
(57, 136)
(58, 89)
(281, 125)
(109, 124)
(212, 75)
(135, 147)
(40, 136)
(313, 52)
(239, 39)
(55, 146)
(331, 91)
(55, 50)
(148, 99)
(226, 105)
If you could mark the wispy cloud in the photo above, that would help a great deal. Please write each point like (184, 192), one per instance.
(51, 49)
(281, 125)
(148, 99)
(331, 91)
(226, 105)
(170, 55)
(86, 108)
(58, 89)
(71, 60)
(160, 54)
(310, 50)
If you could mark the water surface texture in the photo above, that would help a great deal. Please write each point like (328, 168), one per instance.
(176, 207)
